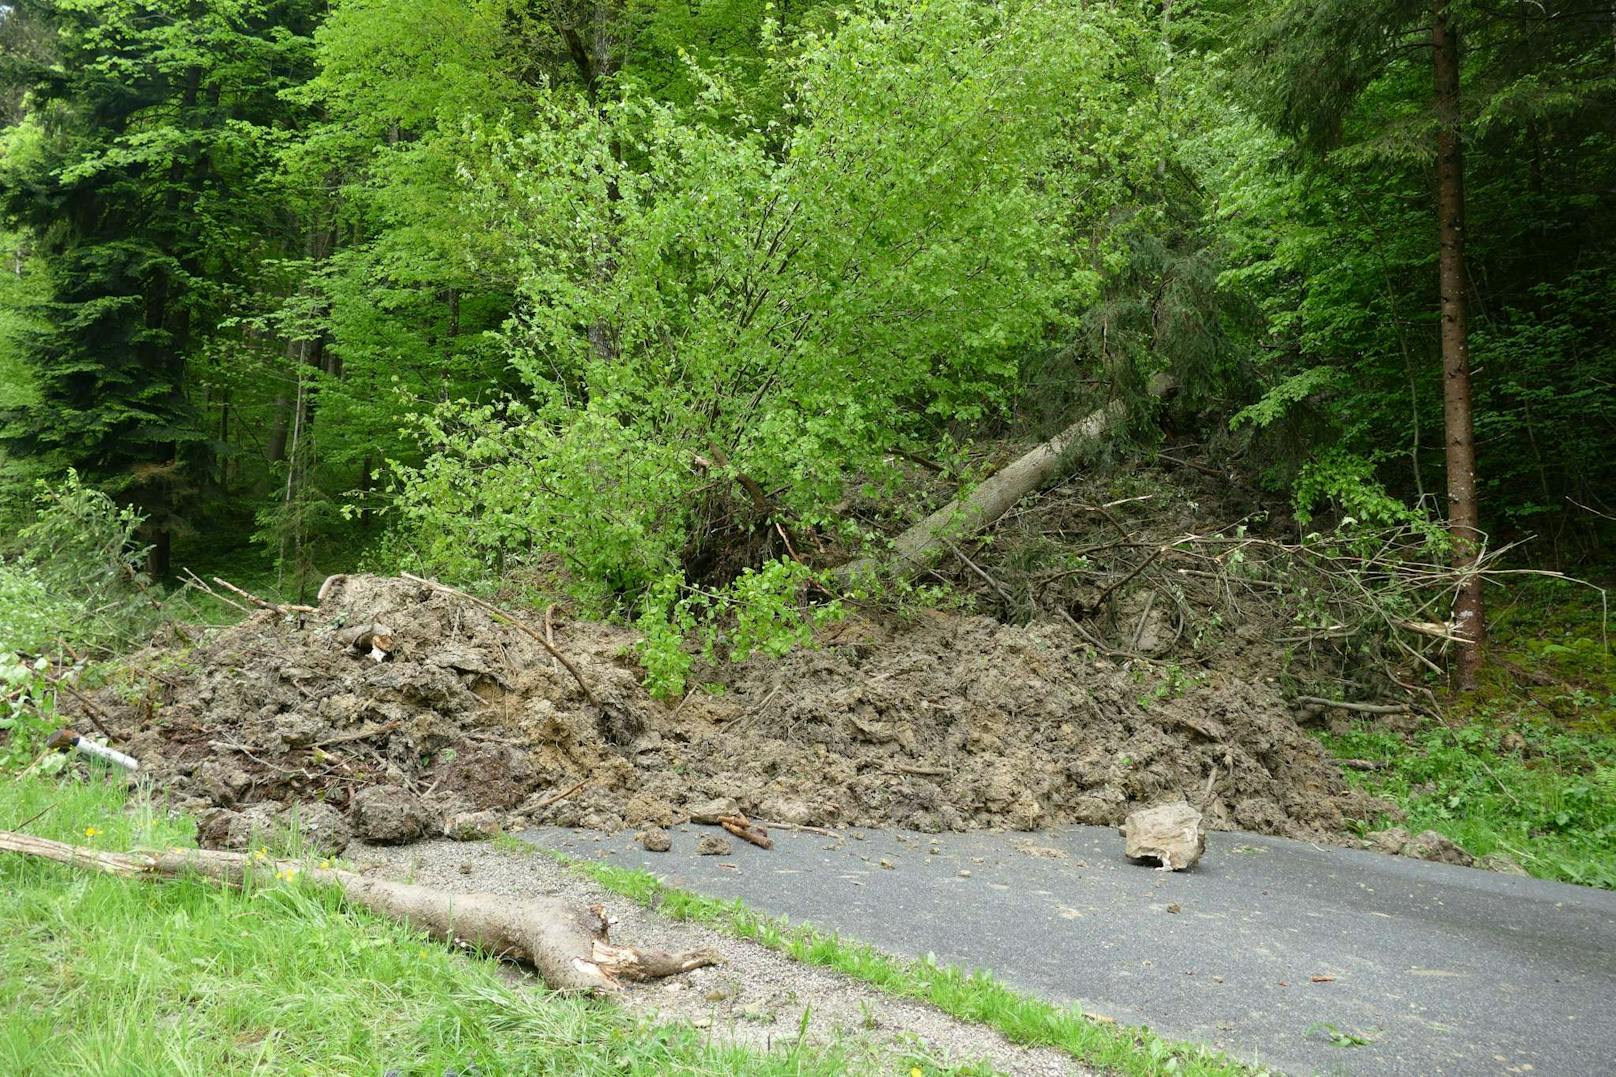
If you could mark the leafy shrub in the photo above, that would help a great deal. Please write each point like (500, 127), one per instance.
(26, 703)
(708, 301)
(76, 576)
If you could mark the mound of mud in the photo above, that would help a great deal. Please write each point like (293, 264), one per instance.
(946, 722)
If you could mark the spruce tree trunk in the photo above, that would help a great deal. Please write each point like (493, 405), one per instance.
(1469, 620)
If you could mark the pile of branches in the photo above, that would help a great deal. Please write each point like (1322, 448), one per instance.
(1364, 611)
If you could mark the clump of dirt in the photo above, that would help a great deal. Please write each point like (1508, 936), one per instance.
(940, 722)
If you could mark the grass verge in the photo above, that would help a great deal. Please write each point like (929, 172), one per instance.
(108, 976)
(969, 996)
(1526, 764)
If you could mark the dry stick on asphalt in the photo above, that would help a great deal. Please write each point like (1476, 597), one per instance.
(737, 825)
(618, 717)
(564, 941)
(800, 828)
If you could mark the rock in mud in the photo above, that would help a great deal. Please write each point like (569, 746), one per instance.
(643, 809)
(714, 846)
(223, 782)
(1173, 835)
(1426, 845)
(789, 810)
(1502, 863)
(321, 827)
(709, 811)
(388, 815)
(471, 826)
(1389, 841)
(655, 840)
(252, 826)
(1429, 845)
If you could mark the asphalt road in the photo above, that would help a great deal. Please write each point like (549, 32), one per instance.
(1257, 950)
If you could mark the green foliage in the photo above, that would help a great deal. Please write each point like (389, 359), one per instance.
(1550, 804)
(1526, 766)
(761, 610)
(1279, 399)
(26, 708)
(1347, 483)
(708, 303)
(76, 575)
(1335, 244)
(143, 170)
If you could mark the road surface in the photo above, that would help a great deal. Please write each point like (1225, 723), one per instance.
(1261, 950)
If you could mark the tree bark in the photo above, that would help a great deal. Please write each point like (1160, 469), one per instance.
(995, 496)
(1469, 620)
(566, 943)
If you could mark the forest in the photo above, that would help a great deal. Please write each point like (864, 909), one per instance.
(460, 286)
(1255, 357)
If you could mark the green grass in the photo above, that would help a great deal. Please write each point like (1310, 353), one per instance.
(108, 976)
(970, 996)
(1526, 765)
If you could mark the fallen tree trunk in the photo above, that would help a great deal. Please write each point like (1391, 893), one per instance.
(566, 943)
(995, 496)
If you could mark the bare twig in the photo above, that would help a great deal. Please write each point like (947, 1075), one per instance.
(263, 603)
(518, 624)
(1010, 603)
(556, 798)
(92, 710)
(741, 828)
(1362, 708)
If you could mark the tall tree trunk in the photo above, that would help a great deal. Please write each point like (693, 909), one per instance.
(1469, 620)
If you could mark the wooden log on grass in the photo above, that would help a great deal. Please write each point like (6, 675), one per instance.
(566, 943)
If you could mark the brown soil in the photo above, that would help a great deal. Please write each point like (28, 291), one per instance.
(945, 721)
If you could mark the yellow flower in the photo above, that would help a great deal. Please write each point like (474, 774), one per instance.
(91, 831)
(914, 1071)
(260, 854)
(426, 954)
(325, 863)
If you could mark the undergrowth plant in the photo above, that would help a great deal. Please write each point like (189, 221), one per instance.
(75, 573)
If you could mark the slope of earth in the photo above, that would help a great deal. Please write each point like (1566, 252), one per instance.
(943, 722)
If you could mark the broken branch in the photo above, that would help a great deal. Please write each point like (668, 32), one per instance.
(264, 603)
(556, 798)
(620, 719)
(1362, 708)
(737, 825)
(567, 944)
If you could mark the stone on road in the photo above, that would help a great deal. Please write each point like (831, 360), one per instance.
(1261, 950)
